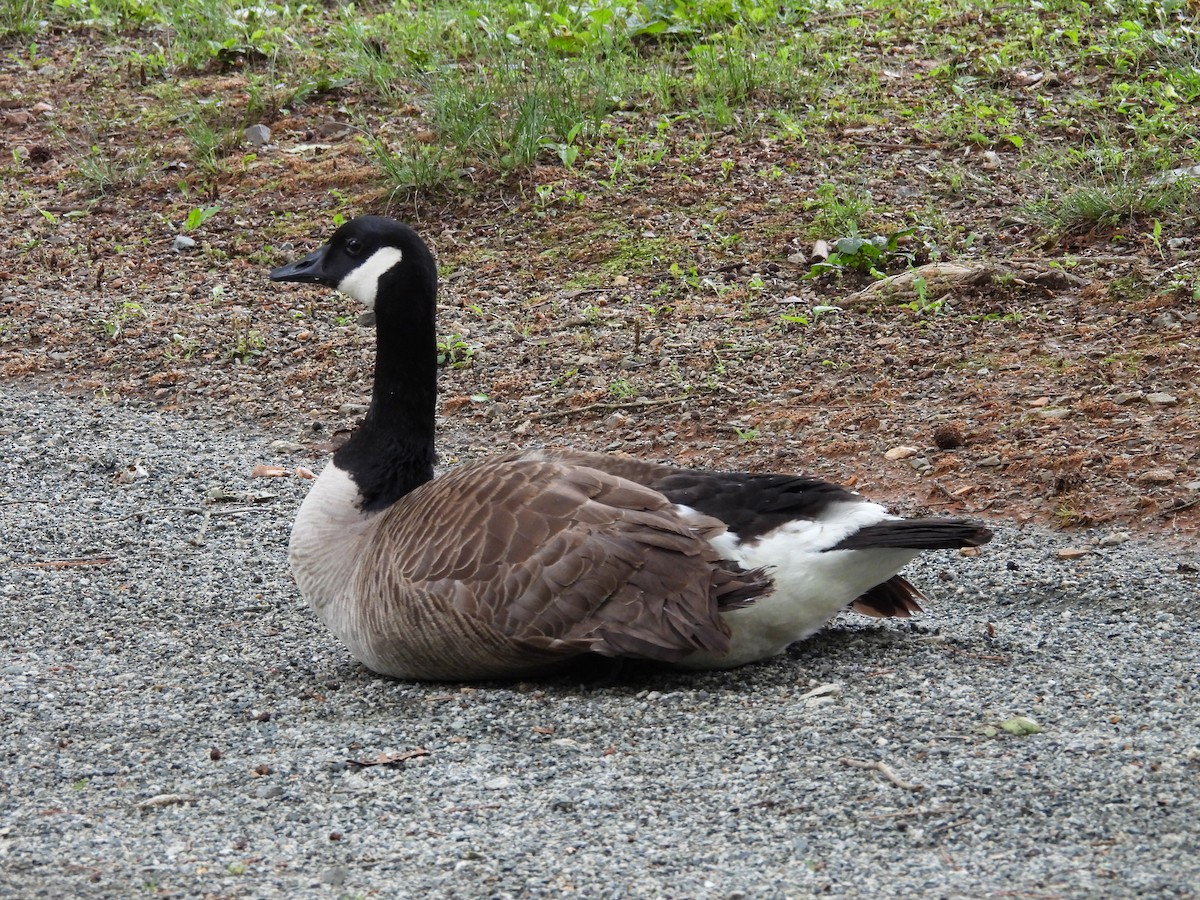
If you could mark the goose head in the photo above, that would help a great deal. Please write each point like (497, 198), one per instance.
(374, 259)
(384, 265)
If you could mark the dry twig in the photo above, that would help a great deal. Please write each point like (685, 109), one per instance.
(883, 769)
(624, 404)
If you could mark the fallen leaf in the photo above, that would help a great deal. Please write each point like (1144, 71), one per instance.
(269, 472)
(135, 471)
(834, 689)
(390, 759)
(166, 800)
(1021, 726)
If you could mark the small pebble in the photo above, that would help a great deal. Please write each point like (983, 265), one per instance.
(1072, 552)
(1157, 476)
(334, 876)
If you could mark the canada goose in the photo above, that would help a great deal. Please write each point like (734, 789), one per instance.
(513, 564)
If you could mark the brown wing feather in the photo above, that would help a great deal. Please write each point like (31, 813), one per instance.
(638, 471)
(526, 559)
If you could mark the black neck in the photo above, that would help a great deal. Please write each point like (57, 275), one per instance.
(392, 451)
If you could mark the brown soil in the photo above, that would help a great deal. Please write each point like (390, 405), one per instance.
(1067, 401)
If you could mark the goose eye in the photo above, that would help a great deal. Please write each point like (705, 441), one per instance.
(354, 247)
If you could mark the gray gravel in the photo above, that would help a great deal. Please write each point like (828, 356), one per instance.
(174, 722)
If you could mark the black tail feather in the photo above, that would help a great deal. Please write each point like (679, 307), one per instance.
(917, 534)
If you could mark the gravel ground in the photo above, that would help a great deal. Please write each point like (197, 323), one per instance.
(174, 722)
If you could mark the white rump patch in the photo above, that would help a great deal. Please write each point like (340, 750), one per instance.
(810, 582)
(363, 283)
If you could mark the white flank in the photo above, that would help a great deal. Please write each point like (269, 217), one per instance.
(811, 583)
(363, 283)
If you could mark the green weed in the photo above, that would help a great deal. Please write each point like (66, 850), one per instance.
(454, 352)
(124, 312)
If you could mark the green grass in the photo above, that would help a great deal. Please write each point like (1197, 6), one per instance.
(496, 86)
(19, 17)
(101, 171)
(1118, 206)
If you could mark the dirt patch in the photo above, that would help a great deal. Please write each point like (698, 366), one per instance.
(670, 318)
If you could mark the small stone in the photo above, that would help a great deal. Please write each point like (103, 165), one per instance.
(182, 243)
(257, 135)
(1160, 399)
(621, 280)
(901, 452)
(268, 792)
(282, 446)
(500, 783)
(335, 876)
(1052, 412)
(1115, 539)
(1128, 397)
(990, 461)
(569, 743)
(797, 259)
(352, 409)
(1072, 552)
(1040, 401)
(1157, 476)
(1193, 485)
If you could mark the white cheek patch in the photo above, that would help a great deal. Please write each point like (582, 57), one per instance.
(363, 283)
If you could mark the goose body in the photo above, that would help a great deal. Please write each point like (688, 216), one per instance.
(514, 564)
